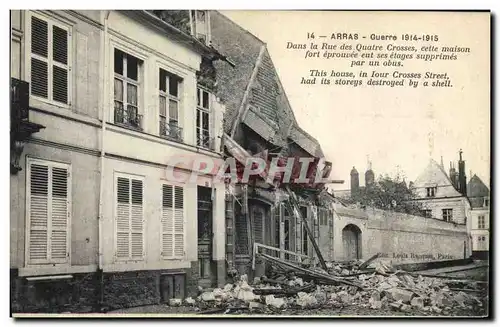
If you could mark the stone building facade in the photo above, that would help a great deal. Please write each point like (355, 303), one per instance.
(96, 221)
(479, 196)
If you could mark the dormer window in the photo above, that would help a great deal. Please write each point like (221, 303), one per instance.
(200, 25)
(431, 191)
(486, 202)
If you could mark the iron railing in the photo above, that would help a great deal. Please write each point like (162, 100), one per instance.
(128, 117)
(171, 131)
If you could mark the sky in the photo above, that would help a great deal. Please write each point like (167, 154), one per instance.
(396, 129)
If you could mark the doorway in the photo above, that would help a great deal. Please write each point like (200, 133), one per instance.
(205, 238)
(351, 237)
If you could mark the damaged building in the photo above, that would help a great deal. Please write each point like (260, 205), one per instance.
(260, 122)
(101, 102)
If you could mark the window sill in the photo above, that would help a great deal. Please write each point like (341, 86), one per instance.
(156, 265)
(171, 259)
(39, 270)
(173, 139)
(128, 260)
(160, 139)
(50, 102)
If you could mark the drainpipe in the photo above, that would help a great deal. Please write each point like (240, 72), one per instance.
(104, 105)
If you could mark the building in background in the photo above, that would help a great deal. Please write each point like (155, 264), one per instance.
(479, 196)
(443, 196)
(360, 230)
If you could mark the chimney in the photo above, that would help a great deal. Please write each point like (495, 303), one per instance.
(442, 164)
(369, 175)
(354, 181)
(453, 176)
(462, 179)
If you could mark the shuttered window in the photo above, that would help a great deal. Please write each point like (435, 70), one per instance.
(49, 60)
(129, 218)
(48, 209)
(172, 222)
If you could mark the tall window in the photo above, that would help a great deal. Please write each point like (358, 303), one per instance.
(50, 62)
(447, 214)
(49, 203)
(172, 222)
(203, 111)
(129, 218)
(431, 191)
(481, 222)
(126, 89)
(169, 100)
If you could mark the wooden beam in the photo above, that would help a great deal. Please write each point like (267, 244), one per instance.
(311, 273)
(292, 202)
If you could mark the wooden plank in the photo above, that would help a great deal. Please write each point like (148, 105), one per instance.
(296, 210)
(280, 250)
(256, 247)
(367, 262)
(311, 273)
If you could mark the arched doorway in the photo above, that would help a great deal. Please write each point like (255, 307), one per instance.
(351, 237)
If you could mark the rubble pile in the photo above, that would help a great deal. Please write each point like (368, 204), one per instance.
(377, 286)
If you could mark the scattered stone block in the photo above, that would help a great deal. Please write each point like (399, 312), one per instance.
(399, 294)
(405, 308)
(175, 302)
(255, 306)
(190, 301)
(207, 296)
(277, 303)
(306, 300)
(417, 302)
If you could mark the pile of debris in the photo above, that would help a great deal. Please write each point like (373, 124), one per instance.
(374, 285)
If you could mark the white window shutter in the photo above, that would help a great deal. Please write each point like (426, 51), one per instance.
(38, 213)
(59, 215)
(39, 50)
(172, 221)
(167, 221)
(60, 68)
(49, 204)
(50, 59)
(123, 209)
(137, 219)
(179, 222)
